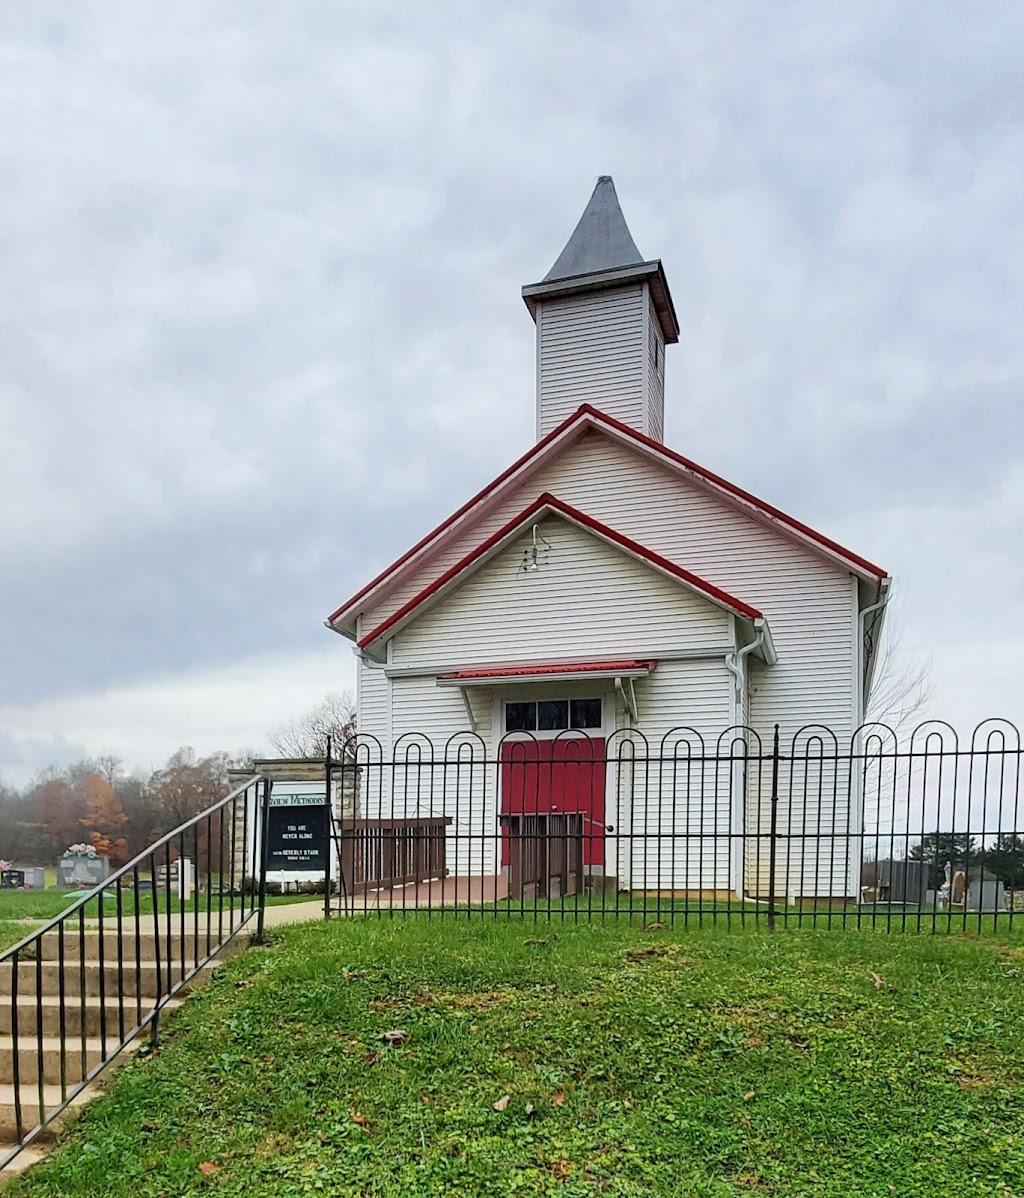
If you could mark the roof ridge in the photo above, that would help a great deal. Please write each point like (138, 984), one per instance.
(597, 418)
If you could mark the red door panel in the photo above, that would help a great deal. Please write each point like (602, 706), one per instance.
(564, 775)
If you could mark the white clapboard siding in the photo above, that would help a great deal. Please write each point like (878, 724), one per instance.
(586, 599)
(806, 599)
(654, 384)
(673, 795)
(372, 712)
(442, 769)
(590, 349)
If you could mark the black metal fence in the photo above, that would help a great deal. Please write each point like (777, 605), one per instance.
(79, 990)
(799, 827)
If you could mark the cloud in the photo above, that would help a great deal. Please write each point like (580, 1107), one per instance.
(22, 757)
(231, 708)
(261, 328)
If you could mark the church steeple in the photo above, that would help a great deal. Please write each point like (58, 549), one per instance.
(601, 240)
(604, 316)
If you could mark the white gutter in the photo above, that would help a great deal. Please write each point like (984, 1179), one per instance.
(365, 658)
(630, 702)
(883, 599)
(453, 667)
(762, 640)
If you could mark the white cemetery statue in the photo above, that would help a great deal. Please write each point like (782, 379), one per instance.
(947, 885)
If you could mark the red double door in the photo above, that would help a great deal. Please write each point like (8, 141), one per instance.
(562, 776)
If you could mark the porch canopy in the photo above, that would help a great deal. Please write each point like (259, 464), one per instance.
(625, 670)
(548, 672)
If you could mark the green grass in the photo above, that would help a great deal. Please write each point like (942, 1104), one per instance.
(635, 1062)
(45, 904)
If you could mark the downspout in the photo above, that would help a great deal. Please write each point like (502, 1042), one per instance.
(883, 599)
(628, 703)
(734, 660)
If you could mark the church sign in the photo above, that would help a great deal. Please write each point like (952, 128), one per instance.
(297, 835)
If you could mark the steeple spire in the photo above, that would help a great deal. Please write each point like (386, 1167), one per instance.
(604, 316)
(601, 239)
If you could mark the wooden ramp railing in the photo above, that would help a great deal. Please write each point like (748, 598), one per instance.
(545, 854)
(377, 854)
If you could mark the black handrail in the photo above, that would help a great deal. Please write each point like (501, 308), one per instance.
(226, 839)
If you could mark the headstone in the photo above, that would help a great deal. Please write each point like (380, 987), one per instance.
(79, 869)
(902, 881)
(12, 879)
(35, 877)
(986, 894)
(180, 880)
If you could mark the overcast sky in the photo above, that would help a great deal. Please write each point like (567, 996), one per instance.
(260, 323)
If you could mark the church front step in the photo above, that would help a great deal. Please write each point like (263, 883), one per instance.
(147, 945)
(87, 977)
(35, 1055)
(29, 1095)
(78, 1015)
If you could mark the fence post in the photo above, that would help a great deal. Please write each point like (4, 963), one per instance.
(264, 838)
(328, 825)
(773, 830)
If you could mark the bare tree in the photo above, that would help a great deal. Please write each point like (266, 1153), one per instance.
(901, 688)
(334, 716)
(901, 691)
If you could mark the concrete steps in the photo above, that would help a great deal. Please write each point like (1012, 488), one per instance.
(192, 946)
(29, 1095)
(80, 1055)
(107, 983)
(92, 979)
(88, 1016)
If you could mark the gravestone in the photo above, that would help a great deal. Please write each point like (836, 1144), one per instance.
(902, 881)
(12, 879)
(986, 894)
(180, 879)
(35, 877)
(80, 869)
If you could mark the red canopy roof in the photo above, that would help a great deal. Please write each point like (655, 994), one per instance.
(577, 667)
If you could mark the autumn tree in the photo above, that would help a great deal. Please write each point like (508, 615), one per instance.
(105, 817)
(187, 785)
(60, 807)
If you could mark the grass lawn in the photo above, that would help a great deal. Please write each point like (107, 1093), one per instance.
(43, 905)
(571, 1060)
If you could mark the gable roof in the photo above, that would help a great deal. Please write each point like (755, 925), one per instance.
(541, 507)
(590, 418)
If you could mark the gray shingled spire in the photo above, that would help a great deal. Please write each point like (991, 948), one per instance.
(601, 240)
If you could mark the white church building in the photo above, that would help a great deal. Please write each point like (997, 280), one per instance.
(606, 590)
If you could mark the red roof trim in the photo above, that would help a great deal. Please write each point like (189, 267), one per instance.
(586, 667)
(600, 417)
(470, 503)
(753, 500)
(581, 518)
